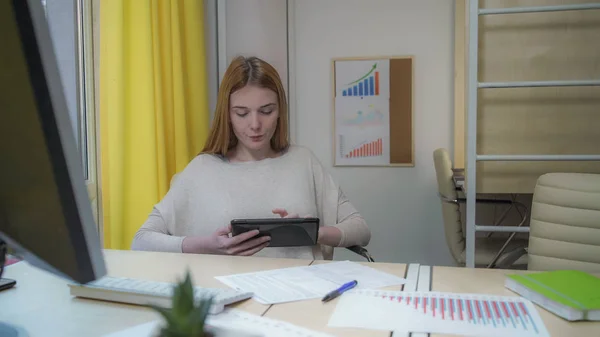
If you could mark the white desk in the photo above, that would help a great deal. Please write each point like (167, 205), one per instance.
(41, 302)
(316, 314)
(42, 305)
(491, 281)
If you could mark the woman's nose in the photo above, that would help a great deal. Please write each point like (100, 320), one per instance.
(255, 122)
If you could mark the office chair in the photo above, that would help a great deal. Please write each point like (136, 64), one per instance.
(565, 223)
(362, 251)
(489, 251)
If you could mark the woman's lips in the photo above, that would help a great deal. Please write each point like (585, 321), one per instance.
(256, 138)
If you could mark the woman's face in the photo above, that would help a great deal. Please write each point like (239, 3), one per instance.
(254, 114)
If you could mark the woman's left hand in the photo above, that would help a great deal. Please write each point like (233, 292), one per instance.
(328, 235)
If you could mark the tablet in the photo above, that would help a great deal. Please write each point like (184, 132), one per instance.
(284, 232)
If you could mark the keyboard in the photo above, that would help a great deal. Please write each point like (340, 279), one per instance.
(144, 292)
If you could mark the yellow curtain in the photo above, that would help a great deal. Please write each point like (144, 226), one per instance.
(153, 106)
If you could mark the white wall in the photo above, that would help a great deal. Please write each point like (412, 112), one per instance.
(400, 204)
(248, 28)
(254, 28)
(258, 28)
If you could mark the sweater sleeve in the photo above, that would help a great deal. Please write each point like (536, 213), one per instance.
(154, 235)
(337, 210)
(352, 225)
(156, 232)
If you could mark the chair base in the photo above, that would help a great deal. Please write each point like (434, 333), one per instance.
(487, 248)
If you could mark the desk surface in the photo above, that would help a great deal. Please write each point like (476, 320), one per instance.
(295, 312)
(41, 302)
(491, 281)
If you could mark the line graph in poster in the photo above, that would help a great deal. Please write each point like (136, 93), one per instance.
(356, 115)
(364, 117)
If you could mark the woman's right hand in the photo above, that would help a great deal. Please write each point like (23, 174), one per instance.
(220, 242)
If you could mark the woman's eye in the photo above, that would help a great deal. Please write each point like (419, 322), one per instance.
(267, 112)
(241, 114)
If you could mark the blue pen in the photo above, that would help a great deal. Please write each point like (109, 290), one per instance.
(339, 291)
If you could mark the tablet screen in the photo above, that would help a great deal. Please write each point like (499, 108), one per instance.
(284, 232)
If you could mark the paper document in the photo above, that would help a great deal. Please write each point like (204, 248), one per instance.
(436, 312)
(248, 325)
(301, 283)
(262, 326)
(143, 330)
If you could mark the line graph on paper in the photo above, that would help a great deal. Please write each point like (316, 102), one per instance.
(442, 313)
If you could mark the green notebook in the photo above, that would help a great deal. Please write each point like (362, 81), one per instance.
(570, 294)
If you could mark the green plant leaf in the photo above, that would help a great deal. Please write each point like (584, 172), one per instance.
(167, 314)
(183, 296)
(187, 316)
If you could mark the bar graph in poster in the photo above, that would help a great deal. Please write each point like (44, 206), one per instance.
(366, 149)
(368, 85)
(362, 149)
(363, 78)
(444, 313)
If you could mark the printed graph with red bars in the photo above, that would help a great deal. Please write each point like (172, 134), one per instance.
(368, 149)
(491, 312)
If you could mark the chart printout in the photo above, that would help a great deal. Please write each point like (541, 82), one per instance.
(438, 312)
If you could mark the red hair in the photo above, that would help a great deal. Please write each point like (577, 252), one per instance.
(241, 72)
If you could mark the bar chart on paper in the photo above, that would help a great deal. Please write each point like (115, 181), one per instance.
(476, 311)
(367, 85)
(450, 313)
(364, 149)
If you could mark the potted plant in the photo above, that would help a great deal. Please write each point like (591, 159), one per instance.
(186, 318)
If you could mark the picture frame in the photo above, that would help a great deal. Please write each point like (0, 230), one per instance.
(373, 115)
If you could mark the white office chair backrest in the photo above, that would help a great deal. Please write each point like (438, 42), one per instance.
(565, 222)
(450, 211)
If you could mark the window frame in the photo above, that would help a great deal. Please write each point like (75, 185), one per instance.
(86, 101)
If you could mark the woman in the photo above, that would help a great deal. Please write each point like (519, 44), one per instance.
(248, 170)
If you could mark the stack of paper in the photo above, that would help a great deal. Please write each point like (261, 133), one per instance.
(301, 283)
(235, 321)
(436, 312)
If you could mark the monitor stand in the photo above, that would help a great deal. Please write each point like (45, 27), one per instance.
(3, 252)
(7, 330)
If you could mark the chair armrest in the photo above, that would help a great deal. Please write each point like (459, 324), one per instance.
(362, 252)
(461, 200)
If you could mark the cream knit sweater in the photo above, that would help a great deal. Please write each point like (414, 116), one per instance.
(211, 191)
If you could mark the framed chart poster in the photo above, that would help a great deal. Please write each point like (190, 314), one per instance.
(373, 111)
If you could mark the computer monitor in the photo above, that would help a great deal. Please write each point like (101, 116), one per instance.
(45, 211)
